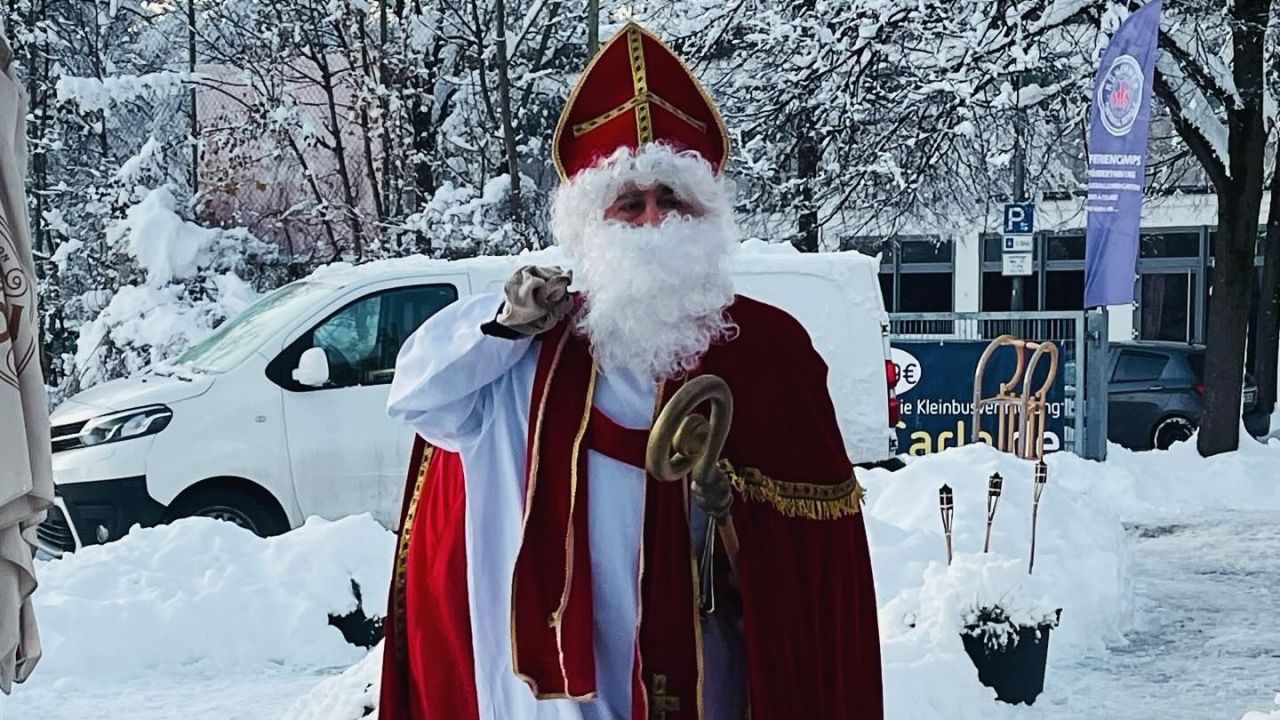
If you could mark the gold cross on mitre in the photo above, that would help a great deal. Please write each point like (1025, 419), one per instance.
(660, 703)
(641, 100)
(635, 73)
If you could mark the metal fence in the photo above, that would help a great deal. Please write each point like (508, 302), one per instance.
(1069, 330)
(1056, 326)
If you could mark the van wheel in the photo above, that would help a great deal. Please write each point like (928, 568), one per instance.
(234, 506)
(1172, 430)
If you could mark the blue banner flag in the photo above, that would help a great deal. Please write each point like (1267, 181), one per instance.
(1118, 125)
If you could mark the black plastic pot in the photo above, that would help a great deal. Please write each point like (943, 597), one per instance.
(1014, 670)
(357, 628)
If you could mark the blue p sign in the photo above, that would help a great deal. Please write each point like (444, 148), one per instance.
(1019, 218)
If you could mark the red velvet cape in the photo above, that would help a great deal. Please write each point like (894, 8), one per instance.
(805, 581)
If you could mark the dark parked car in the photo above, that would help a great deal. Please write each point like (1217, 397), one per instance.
(1156, 395)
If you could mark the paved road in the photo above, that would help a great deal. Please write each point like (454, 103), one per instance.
(1207, 643)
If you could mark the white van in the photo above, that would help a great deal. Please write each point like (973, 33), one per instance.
(281, 413)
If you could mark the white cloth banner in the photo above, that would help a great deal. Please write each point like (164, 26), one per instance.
(26, 475)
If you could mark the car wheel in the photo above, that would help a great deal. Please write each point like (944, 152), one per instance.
(234, 506)
(1172, 430)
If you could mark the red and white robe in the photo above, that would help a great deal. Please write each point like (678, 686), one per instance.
(511, 602)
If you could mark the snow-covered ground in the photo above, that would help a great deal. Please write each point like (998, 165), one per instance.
(1164, 564)
(199, 620)
(1206, 632)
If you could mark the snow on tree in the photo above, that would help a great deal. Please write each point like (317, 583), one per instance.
(865, 118)
(350, 130)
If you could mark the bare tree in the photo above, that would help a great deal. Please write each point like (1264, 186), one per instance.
(1267, 337)
(504, 104)
(1231, 146)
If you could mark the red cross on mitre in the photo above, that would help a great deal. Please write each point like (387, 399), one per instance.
(637, 91)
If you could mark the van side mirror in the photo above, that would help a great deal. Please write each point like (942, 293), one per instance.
(313, 368)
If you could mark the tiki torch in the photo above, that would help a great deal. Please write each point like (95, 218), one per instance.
(1042, 477)
(946, 501)
(994, 487)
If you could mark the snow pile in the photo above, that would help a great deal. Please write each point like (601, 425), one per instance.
(201, 599)
(353, 695)
(1141, 485)
(205, 597)
(1082, 557)
(1081, 568)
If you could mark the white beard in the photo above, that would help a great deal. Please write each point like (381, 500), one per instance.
(655, 296)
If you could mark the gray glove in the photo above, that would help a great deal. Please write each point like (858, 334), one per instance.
(536, 299)
(715, 496)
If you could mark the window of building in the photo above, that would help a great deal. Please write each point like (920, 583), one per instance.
(1064, 247)
(924, 275)
(926, 292)
(1167, 307)
(1169, 244)
(886, 287)
(997, 291)
(1212, 241)
(915, 273)
(921, 252)
(1064, 289)
(1056, 283)
(1063, 278)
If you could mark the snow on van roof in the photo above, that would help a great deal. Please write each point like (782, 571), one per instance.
(752, 255)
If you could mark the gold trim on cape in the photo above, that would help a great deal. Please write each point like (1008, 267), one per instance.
(401, 582)
(640, 567)
(796, 499)
(524, 524)
(557, 619)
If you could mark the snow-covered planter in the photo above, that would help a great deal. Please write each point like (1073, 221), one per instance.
(1009, 649)
(1010, 654)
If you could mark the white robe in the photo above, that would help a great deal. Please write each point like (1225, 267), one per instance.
(467, 392)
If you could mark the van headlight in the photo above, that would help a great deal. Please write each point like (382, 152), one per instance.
(126, 425)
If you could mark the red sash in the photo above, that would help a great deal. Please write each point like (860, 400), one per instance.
(552, 621)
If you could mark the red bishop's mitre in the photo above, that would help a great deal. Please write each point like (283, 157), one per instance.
(637, 91)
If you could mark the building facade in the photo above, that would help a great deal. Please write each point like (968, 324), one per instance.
(1172, 282)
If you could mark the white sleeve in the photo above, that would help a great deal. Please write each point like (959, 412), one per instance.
(445, 369)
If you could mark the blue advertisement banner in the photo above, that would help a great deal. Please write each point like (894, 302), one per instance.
(1118, 123)
(935, 387)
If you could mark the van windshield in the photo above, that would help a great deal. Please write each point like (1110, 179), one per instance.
(236, 340)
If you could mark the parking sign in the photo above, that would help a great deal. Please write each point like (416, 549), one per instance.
(1016, 264)
(1019, 243)
(1019, 218)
